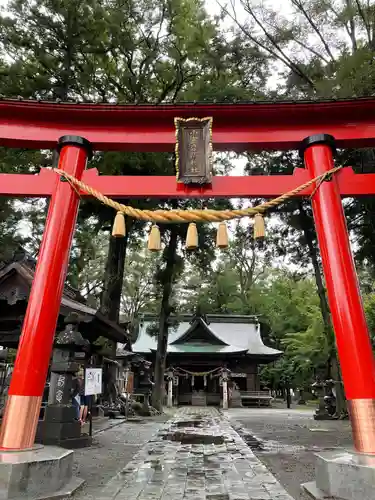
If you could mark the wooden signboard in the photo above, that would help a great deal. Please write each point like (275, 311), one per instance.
(93, 381)
(194, 150)
(130, 385)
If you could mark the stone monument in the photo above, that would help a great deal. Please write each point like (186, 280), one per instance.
(170, 388)
(225, 378)
(235, 400)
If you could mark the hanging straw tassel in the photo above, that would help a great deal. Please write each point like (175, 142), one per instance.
(259, 227)
(222, 236)
(192, 237)
(119, 230)
(154, 240)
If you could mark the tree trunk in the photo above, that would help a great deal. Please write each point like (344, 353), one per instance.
(165, 311)
(341, 408)
(307, 225)
(110, 302)
(333, 367)
(113, 278)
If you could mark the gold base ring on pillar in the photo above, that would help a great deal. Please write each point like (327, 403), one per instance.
(20, 422)
(362, 417)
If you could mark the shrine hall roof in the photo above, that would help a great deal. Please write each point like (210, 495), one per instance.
(16, 277)
(211, 334)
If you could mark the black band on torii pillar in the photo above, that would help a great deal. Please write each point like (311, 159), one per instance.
(75, 140)
(312, 140)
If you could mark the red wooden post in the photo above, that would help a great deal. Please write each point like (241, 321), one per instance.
(348, 318)
(31, 366)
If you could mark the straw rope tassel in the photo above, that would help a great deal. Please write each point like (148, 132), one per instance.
(192, 237)
(259, 227)
(222, 236)
(154, 240)
(119, 228)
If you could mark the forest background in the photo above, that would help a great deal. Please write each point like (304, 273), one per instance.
(168, 51)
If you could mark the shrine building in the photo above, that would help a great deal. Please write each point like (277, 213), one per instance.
(201, 348)
(16, 277)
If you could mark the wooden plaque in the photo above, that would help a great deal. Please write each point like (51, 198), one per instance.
(130, 385)
(194, 150)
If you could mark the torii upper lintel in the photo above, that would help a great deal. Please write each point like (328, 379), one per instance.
(254, 126)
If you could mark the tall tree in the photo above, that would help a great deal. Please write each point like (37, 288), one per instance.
(165, 277)
(322, 47)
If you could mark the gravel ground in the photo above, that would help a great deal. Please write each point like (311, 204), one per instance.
(112, 449)
(289, 439)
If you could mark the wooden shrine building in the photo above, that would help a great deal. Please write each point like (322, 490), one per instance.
(16, 277)
(201, 348)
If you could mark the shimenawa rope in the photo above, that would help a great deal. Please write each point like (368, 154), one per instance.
(194, 215)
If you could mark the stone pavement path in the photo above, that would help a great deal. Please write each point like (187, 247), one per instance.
(197, 455)
(113, 447)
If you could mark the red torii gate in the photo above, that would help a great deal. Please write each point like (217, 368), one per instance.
(315, 128)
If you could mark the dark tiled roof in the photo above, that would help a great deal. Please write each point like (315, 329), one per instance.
(232, 336)
(115, 102)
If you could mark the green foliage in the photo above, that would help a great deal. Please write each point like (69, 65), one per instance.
(369, 305)
(87, 261)
(139, 291)
(322, 47)
(225, 282)
(292, 310)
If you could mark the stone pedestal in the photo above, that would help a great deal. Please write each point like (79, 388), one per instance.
(343, 475)
(44, 473)
(60, 428)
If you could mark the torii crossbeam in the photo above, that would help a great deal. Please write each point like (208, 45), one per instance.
(314, 128)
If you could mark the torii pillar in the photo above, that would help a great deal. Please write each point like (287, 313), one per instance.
(35, 347)
(341, 474)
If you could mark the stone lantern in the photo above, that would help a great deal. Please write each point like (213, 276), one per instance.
(325, 409)
(145, 385)
(60, 425)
